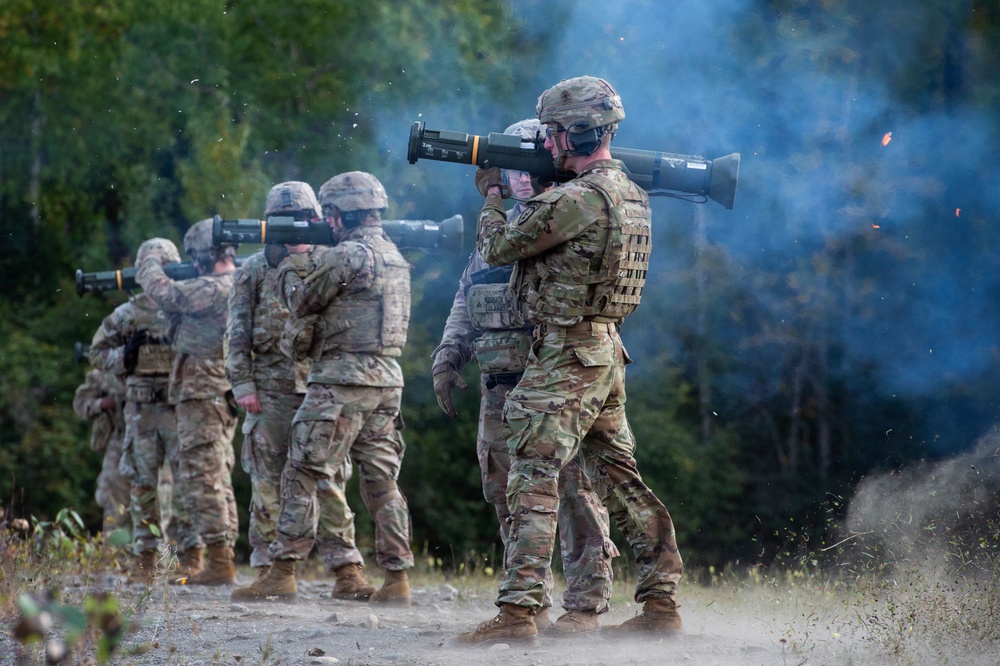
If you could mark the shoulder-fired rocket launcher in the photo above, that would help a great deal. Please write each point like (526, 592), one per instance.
(659, 173)
(445, 236)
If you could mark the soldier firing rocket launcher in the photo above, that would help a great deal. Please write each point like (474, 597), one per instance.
(417, 234)
(660, 174)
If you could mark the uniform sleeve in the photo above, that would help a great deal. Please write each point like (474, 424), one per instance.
(550, 219)
(87, 399)
(459, 333)
(186, 296)
(107, 349)
(239, 360)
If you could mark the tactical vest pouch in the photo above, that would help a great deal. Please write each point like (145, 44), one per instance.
(100, 432)
(154, 359)
(502, 351)
(492, 307)
(299, 339)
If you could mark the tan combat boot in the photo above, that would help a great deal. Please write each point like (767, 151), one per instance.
(575, 622)
(395, 590)
(514, 624)
(659, 616)
(352, 584)
(189, 563)
(144, 568)
(221, 567)
(542, 619)
(262, 571)
(278, 585)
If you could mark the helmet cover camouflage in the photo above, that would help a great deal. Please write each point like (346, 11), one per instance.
(528, 129)
(291, 196)
(580, 104)
(198, 242)
(164, 247)
(354, 190)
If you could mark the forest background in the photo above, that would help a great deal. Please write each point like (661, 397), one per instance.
(838, 323)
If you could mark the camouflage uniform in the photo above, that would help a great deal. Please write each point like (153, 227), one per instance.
(150, 455)
(199, 391)
(107, 433)
(579, 249)
(485, 322)
(255, 365)
(354, 297)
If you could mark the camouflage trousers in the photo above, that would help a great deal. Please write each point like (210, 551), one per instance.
(334, 423)
(113, 489)
(265, 452)
(586, 548)
(572, 399)
(204, 480)
(150, 460)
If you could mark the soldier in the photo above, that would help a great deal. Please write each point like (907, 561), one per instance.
(99, 400)
(200, 394)
(350, 308)
(270, 386)
(133, 343)
(486, 322)
(581, 251)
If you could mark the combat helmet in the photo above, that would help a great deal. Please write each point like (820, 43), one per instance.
(587, 107)
(166, 248)
(355, 195)
(529, 130)
(293, 198)
(198, 245)
(354, 190)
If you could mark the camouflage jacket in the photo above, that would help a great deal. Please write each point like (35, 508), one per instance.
(257, 316)
(313, 283)
(107, 349)
(201, 306)
(105, 424)
(558, 241)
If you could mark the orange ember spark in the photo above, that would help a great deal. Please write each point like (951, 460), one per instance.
(886, 139)
(958, 211)
(876, 226)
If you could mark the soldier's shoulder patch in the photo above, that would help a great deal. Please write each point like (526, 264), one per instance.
(529, 211)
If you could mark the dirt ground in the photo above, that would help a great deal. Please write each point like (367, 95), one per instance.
(194, 626)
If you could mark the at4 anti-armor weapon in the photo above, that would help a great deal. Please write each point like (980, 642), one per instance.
(663, 174)
(419, 234)
(124, 279)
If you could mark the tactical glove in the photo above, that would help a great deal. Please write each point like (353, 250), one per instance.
(274, 253)
(445, 379)
(130, 355)
(487, 178)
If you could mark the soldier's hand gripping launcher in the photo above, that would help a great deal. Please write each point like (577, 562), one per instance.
(660, 174)
(420, 234)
